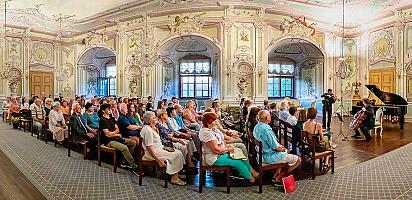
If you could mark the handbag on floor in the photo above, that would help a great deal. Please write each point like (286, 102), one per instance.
(289, 184)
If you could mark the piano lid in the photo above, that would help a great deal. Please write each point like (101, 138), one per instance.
(387, 97)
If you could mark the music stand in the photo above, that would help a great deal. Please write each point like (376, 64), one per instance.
(344, 137)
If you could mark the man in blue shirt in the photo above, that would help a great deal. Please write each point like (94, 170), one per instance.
(273, 152)
(127, 125)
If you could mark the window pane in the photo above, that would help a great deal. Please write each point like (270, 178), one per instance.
(191, 67)
(183, 67)
(110, 70)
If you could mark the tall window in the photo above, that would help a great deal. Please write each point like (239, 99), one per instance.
(281, 80)
(107, 83)
(195, 76)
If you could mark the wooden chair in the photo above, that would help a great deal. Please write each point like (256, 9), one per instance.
(70, 140)
(266, 167)
(204, 168)
(26, 120)
(308, 142)
(111, 151)
(378, 122)
(5, 113)
(142, 162)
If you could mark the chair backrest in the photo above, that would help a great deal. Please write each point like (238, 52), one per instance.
(379, 115)
(259, 151)
(25, 113)
(308, 140)
(99, 142)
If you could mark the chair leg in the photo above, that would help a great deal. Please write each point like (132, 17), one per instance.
(381, 131)
(140, 174)
(260, 181)
(333, 162)
(320, 164)
(115, 162)
(200, 180)
(85, 151)
(228, 182)
(55, 143)
(68, 148)
(313, 168)
(166, 177)
(99, 161)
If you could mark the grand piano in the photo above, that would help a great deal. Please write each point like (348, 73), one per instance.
(393, 104)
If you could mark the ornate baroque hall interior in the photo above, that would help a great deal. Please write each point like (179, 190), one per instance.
(131, 83)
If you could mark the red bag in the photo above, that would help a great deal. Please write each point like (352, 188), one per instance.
(289, 184)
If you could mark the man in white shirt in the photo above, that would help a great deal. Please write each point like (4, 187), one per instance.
(292, 119)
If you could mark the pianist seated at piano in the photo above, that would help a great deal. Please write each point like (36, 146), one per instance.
(368, 123)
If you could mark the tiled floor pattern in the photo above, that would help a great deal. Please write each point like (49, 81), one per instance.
(61, 177)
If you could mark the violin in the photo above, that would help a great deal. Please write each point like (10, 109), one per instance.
(357, 120)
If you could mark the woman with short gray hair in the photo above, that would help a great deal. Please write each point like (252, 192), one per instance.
(57, 124)
(153, 149)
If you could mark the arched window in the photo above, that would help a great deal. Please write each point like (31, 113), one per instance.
(195, 77)
(281, 79)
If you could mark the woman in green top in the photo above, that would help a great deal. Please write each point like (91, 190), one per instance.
(91, 118)
(131, 112)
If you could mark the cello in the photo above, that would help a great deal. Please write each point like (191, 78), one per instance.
(357, 120)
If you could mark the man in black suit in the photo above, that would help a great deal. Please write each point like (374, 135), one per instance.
(328, 99)
(369, 122)
(79, 131)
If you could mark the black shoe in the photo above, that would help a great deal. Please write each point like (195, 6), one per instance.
(276, 183)
(124, 164)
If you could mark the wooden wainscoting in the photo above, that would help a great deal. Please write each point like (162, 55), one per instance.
(42, 83)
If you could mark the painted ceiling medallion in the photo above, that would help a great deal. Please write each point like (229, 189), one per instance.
(191, 46)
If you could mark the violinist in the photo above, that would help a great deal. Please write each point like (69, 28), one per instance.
(328, 99)
(368, 123)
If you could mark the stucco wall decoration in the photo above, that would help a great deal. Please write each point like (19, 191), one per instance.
(381, 47)
(298, 26)
(42, 54)
(187, 24)
(190, 46)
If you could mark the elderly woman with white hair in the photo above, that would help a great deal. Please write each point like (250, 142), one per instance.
(57, 123)
(154, 150)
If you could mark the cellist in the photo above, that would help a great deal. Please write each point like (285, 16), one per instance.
(368, 123)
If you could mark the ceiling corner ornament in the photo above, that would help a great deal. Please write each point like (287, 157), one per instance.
(298, 26)
(186, 24)
(400, 22)
(145, 53)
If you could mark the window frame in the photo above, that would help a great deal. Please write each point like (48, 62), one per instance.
(281, 76)
(195, 75)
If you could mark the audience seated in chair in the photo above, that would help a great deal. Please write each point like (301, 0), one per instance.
(171, 139)
(91, 119)
(149, 105)
(252, 120)
(154, 149)
(293, 117)
(273, 152)
(115, 110)
(313, 127)
(80, 132)
(127, 125)
(176, 123)
(112, 138)
(190, 116)
(216, 151)
(48, 106)
(297, 130)
(39, 115)
(57, 124)
(283, 111)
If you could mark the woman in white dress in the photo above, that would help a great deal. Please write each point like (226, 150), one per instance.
(153, 149)
(57, 124)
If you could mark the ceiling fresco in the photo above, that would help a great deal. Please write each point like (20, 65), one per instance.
(76, 16)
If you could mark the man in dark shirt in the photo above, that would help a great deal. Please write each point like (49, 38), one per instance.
(368, 123)
(79, 130)
(111, 138)
(149, 105)
(127, 125)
